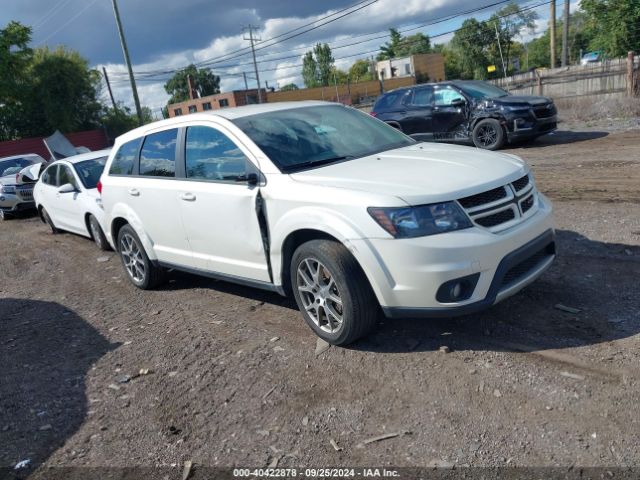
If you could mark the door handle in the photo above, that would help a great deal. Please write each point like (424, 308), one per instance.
(134, 192)
(188, 197)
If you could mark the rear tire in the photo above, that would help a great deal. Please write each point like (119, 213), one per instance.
(140, 270)
(48, 221)
(488, 134)
(332, 292)
(97, 234)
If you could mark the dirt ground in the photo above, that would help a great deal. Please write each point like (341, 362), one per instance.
(234, 379)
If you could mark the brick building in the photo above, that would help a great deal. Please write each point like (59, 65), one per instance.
(235, 98)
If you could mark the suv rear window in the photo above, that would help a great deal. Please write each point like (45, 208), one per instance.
(387, 101)
(125, 159)
(158, 155)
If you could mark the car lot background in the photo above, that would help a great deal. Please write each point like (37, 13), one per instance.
(230, 375)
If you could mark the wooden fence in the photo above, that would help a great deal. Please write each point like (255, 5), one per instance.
(616, 77)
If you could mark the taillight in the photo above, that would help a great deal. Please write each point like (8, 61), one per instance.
(99, 187)
(373, 114)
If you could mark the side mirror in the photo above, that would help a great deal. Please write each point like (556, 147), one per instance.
(67, 188)
(458, 102)
(250, 178)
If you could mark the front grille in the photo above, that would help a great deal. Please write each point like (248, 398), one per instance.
(25, 193)
(521, 183)
(526, 204)
(497, 218)
(522, 269)
(483, 198)
(545, 111)
(501, 207)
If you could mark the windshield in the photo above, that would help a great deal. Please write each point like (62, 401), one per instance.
(89, 171)
(13, 166)
(481, 90)
(311, 136)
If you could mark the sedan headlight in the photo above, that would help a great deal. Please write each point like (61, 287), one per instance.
(7, 189)
(422, 220)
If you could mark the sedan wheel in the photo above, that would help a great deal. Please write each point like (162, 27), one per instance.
(97, 234)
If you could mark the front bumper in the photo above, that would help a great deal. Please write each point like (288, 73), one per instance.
(407, 274)
(21, 200)
(530, 128)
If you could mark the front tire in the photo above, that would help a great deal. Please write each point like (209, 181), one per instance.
(48, 221)
(488, 134)
(140, 271)
(332, 292)
(97, 234)
(4, 215)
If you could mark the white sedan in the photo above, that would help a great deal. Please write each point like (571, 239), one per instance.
(67, 199)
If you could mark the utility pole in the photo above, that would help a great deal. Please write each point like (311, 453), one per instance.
(106, 79)
(504, 70)
(252, 39)
(565, 34)
(246, 89)
(125, 50)
(552, 34)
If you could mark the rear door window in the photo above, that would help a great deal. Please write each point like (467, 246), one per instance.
(158, 155)
(125, 159)
(422, 97)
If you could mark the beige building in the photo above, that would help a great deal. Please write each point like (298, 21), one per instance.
(235, 98)
(425, 67)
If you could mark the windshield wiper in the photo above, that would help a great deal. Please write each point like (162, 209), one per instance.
(317, 163)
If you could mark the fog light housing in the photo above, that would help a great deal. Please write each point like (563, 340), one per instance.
(458, 289)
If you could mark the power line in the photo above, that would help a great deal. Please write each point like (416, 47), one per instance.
(86, 7)
(50, 14)
(334, 47)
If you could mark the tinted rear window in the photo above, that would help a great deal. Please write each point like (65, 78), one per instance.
(89, 171)
(387, 101)
(125, 159)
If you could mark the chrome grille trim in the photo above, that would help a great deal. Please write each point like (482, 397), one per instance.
(520, 197)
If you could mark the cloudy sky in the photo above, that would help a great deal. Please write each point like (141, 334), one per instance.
(164, 35)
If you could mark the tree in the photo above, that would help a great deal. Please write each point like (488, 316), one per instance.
(360, 71)
(317, 66)
(288, 87)
(469, 44)
(118, 121)
(400, 46)
(309, 70)
(509, 22)
(15, 57)
(63, 93)
(205, 82)
(613, 25)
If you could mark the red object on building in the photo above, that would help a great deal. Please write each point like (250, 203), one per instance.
(92, 139)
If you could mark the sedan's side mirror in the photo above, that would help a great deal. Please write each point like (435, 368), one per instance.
(67, 188)
(458, 102)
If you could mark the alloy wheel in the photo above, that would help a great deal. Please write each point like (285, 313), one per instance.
(95, 231)
(320, 295)
(487, 135)
(132, 258)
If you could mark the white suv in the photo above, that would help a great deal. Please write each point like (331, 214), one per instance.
(331, 205)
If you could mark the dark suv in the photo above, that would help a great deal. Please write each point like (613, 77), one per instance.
(466, 110)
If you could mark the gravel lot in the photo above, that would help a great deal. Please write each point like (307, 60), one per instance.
(230, 375)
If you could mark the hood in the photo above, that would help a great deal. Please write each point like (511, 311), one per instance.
(8, 180)
(520, 99)
(422, 173)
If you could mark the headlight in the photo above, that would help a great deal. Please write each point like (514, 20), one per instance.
(422, 220)
(7, 189)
